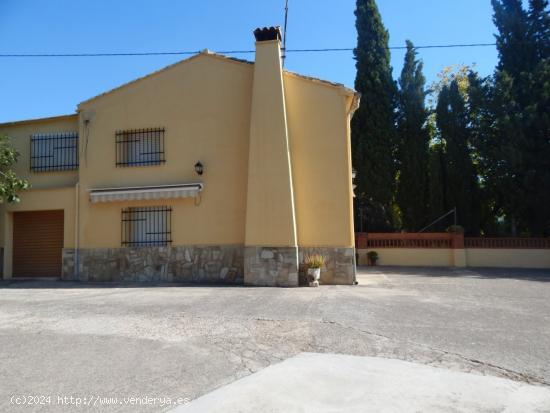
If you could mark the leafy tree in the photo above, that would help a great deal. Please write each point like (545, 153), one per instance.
(461, 183)
(10, 184)
(413, 156)
(373, 126)
(446, 76)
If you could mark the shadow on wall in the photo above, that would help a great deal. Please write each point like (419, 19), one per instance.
(541, 275)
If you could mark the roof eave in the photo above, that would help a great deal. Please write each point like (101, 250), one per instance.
(39, 120)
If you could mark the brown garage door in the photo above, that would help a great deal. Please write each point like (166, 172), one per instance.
(37, 243)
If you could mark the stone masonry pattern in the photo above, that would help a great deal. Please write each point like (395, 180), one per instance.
(271, 266)
(339, 266)
(186, 264)
(266, 266)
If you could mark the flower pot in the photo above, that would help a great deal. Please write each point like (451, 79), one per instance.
(313, 275)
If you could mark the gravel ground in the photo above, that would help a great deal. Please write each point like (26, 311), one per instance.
(97, 342)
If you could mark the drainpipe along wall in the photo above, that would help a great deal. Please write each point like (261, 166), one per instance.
(76, 231)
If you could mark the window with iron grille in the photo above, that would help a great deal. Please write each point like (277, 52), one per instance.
(140, 147)
(146, 226)
(54, 151)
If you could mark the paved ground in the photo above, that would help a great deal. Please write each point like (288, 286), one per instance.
(328, 383)
(95, 341)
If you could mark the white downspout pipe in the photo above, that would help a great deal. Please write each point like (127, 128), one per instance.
(76, 232)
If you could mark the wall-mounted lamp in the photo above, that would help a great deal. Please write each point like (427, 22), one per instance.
(199, 168)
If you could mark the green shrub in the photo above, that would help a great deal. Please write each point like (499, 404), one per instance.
(372, 256)
(314, 261)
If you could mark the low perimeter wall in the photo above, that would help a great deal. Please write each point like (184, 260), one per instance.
(443, 249)
(510, 258)
(410, 257)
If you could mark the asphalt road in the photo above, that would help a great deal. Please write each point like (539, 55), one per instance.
(106, 344)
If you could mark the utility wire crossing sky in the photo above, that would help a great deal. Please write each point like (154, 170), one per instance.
(440, 46)
(103, 43)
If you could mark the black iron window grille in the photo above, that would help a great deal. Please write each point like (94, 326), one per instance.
(54, 151)
(146, 226)
(140, 147)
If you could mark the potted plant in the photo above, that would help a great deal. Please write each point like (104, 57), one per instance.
(314, 264)
(372, 257)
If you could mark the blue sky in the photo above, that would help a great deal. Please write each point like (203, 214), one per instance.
(31, 88)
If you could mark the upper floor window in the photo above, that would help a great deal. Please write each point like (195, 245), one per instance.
(54, 151)
(140, 147)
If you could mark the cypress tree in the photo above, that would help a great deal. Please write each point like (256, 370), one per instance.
(539, 27)
(538, 119)
(521, 106)
(483, 144)
(515, 51)
(413, 155)
(373, 126)
(461, 186)
(438, 204)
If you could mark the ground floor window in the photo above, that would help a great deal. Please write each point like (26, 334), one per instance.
(146, 226)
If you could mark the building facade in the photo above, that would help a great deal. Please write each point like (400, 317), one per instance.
(210, 170)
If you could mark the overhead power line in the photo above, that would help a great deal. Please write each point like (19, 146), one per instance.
(231, 52)
(434, 46)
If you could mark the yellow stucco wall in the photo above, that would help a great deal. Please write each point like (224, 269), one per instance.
(421, 257)
(511, 258)
(35, 200)
(204, 105)
(20, 133)
(48, 191)
(270, 217)
(469, 257)
(320, 148)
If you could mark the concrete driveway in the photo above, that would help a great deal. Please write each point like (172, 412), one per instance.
(138, 348)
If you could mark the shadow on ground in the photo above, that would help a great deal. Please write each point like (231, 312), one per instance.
(542, 275)
(60, 284)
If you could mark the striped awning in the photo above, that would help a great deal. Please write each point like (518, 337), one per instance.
(140, 193)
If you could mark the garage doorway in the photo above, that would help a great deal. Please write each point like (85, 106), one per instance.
(37, 243)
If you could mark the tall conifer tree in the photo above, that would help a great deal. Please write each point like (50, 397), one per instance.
(461, 182)
(521, 106)
(413, 155)
(373, 125)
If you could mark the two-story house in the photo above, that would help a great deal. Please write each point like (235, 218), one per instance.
(212, 169)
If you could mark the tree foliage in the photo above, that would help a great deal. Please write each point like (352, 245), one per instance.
(482, 143)
(413, 154)
(10, 184)
(373, 126)
(460, 185)
(520, 102)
